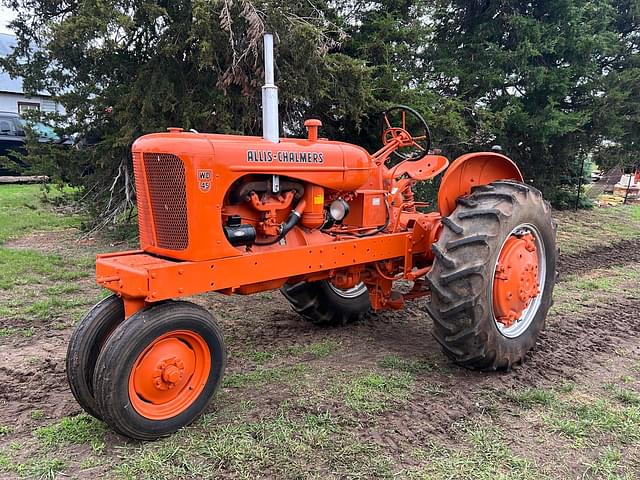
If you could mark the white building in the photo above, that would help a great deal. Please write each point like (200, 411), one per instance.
(12, 97)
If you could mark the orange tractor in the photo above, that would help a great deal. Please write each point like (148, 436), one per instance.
(330, 225)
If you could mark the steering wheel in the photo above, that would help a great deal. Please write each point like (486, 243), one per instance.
(412, 135)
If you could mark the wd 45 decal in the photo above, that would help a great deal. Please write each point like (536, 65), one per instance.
(204, 180)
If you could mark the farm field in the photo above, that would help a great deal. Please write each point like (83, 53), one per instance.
(376, 399)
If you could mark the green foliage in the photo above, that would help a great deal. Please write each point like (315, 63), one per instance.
(553, 82)
(123, 69)
(584, 421)
(536, 71)
(24, 267)
(9, 331)
(625, 395)
(320, 349)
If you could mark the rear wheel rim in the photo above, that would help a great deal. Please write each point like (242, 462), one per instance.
(352, 292)
(169, 375)
(516, 299)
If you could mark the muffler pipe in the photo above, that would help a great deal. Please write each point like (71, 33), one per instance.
(270, 123)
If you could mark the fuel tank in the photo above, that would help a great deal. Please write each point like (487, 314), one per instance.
(182, 179)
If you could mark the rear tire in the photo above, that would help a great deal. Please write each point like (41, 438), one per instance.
(84, 347)
(462, 277)
(159, 370)
(323, 304)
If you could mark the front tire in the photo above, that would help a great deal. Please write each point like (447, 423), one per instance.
(496, 251)
(323, 304)
(159, 370)
(84, 347)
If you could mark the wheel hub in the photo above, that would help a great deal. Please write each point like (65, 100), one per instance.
(168, 373)
(164, 374)
(516, 278)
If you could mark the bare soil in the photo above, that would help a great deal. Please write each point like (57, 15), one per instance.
(575, 347)
(622, 253)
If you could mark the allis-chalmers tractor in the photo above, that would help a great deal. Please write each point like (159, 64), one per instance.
(330, 225)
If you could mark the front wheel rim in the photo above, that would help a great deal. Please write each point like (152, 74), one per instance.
(518, 281)
(169, 375)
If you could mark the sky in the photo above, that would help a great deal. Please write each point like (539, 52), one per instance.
(6, 15)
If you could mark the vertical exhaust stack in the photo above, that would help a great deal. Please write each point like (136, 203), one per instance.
(270, 123)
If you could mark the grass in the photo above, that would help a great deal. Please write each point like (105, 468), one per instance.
(598, 227)
(40, 468)
(486, 456)
(81, 429)
(37, 414)
(531, 397)
(48, 459)
(609, 465)
(23, 211)
(586, 421)
(261, 356)
(53, 307)
(11, 331)
(46, 468)
(62, 289)
(40, 280)
(261, 376)
(580, 292)
(414, 367)
(321, 349)
(42, 287)
(583, 419)
(374, 393)
(26, 267)
(53, 439)
(317, 350)
(624, 395)
(283, 446)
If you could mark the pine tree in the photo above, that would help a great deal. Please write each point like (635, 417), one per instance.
(126, 68)
(533, 70)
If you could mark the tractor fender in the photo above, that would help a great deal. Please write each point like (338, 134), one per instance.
(466, 171)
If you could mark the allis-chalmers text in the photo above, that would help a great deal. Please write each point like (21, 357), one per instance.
(266, 156)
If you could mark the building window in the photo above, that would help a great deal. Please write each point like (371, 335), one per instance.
(23, 107)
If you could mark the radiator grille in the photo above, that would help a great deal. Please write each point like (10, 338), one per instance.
(167, 192)
(142, 200)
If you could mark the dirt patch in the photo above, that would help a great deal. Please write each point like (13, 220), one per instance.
(32, 379)
(622, 253)
(66, 243)
(573, 347)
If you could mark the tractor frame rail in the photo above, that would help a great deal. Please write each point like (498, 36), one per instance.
(141, 278)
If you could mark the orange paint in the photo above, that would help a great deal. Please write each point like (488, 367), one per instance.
(169, 375)
(470, 170)
(191, 185)
(516, 279)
